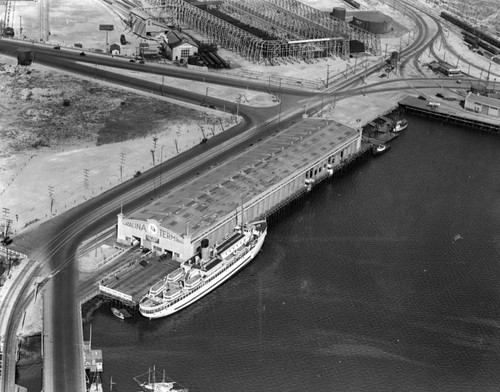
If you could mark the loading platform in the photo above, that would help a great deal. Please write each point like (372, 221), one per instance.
(449, 113)
(138, 272)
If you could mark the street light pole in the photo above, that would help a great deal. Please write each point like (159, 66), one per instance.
(327, 76)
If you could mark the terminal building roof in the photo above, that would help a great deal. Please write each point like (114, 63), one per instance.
(205, 200)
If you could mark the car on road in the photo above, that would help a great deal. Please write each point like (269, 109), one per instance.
(82, 53)
(132, 60)
(57, 47)
(137, 173)
(459, 81)
(382, 75)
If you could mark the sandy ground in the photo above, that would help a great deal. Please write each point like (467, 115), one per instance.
(78, 22)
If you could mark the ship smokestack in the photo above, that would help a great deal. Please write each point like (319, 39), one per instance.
(205, 253)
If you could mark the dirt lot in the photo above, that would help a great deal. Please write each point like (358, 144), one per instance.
(52, 122)
(47, 109)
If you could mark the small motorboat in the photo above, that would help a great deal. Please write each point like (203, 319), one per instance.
(118, 313)
(378, 149)
(400, 126)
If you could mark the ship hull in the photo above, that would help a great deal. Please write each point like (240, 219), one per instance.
(195, 294)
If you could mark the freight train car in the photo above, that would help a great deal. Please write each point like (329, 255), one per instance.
(471, 29)
(476, 42)
(353, 3)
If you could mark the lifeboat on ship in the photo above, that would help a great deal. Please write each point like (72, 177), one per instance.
(175, 275)
(192, 281)
(158, 287)
(172, 293)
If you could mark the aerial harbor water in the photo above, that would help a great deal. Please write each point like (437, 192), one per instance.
(386, 278)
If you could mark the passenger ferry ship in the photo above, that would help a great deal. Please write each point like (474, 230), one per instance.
(202, 273)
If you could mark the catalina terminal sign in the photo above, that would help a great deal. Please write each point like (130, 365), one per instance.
(152, 228)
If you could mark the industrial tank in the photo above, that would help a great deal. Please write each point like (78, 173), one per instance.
(374, 22)
(338, 13)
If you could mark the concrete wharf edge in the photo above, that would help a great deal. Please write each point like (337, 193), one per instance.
(270, 215)
(419, 107)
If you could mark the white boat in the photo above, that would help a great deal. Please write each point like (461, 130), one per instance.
(380, 148)
(118, 313)
(203, 273)
(400, 126)
(147, 382)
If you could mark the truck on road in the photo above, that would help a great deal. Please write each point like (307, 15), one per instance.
(25, 56)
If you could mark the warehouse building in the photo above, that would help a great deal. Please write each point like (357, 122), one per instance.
(244, 188)
(489, 106)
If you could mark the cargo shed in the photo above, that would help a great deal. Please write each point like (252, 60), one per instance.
(247, 187)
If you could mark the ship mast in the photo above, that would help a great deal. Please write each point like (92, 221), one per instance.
(242, 213)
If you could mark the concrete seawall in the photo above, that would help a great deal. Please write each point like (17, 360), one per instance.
(468, 119)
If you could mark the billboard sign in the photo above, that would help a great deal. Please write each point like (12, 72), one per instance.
(106, 27)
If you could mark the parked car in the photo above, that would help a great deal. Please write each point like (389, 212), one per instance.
(137, 173)
(82, 53)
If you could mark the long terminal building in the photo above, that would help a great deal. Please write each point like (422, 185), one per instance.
(247, 187)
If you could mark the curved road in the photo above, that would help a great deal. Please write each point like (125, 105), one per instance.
(55, 242)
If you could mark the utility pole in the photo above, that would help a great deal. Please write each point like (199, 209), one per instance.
(153, 155)
(385, 50)
(6, 212)
(122, 164)
(51, 198)
(281, 100)
(176, 146)
(327, 76)
(488, 77)
(86, 178)
(161, 161)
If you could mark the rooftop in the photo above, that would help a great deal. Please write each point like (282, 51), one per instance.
(207, 199)
(484, 100)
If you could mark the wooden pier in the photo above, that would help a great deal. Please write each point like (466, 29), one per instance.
(448, 114)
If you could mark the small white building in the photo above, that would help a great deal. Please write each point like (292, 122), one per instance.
(180, 47)
(482, 104)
